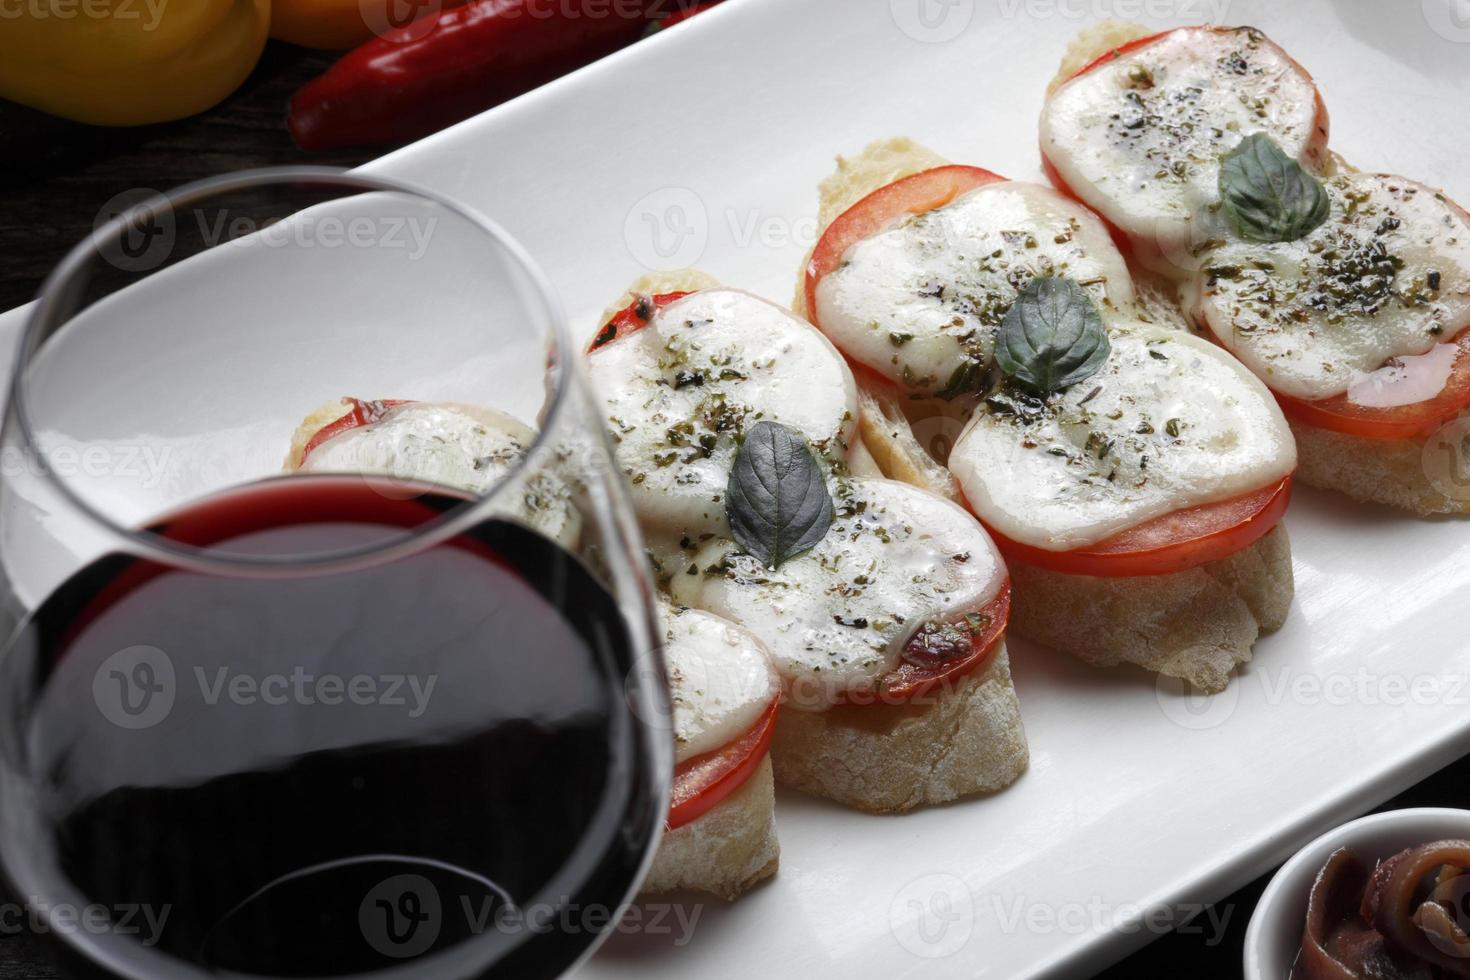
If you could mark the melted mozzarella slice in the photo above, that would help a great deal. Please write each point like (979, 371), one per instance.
(1386, 277)
(465, 447)
(1140, 138)
(720, 678)
(1170, 422)
(679, 393)
(836, 618)
(920, 301)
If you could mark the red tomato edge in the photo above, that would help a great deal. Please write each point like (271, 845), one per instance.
(914, 681)
(361, 413)
(1112, 559)
(849, 227)
(631, 318)
(694, 800)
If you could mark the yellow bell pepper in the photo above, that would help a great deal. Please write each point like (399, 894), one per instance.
(128, 62)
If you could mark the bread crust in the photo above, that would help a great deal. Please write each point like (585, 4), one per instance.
(891, 758)
(1404, 473)
(1197, 625)
(727, 850)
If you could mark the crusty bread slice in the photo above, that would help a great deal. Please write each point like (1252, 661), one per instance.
(1197, 625)
(727, 850)
(890, 758)
(1427, 475)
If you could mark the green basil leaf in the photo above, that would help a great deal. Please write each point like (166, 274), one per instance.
(777, 499)
(1052, 337)
(1267, 196)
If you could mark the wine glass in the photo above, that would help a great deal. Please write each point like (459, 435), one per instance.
(331, 647)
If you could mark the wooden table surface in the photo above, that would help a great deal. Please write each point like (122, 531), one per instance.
(56, 176)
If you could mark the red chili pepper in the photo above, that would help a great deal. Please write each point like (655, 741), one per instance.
(417, 79)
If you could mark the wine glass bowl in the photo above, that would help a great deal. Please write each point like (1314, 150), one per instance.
(309, 711)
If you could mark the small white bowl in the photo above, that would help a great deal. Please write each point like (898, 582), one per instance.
(1275, 933)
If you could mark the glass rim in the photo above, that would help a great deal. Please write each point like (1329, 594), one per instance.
(147, 544)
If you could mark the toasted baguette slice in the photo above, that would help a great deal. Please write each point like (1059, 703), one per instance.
(1427, 475)
(1197, 625)
(890, 758)
(726, 851)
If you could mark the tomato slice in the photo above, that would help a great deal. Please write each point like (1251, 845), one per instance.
(632, 318)
(362, 413)
(917, 674)
(703, 782)
(915, 194)
(1338, 414)
(1170, 543)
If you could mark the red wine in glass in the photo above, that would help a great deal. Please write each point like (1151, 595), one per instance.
(421, 765)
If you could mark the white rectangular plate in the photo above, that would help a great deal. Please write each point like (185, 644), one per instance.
(704, 146)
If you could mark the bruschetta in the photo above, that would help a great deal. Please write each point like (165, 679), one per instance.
(1347, 293)
(1362, 329)
(683, 366)
(466, 447)
(1160, 583)
(883, 606)
(1137, 131)
(720, 836)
